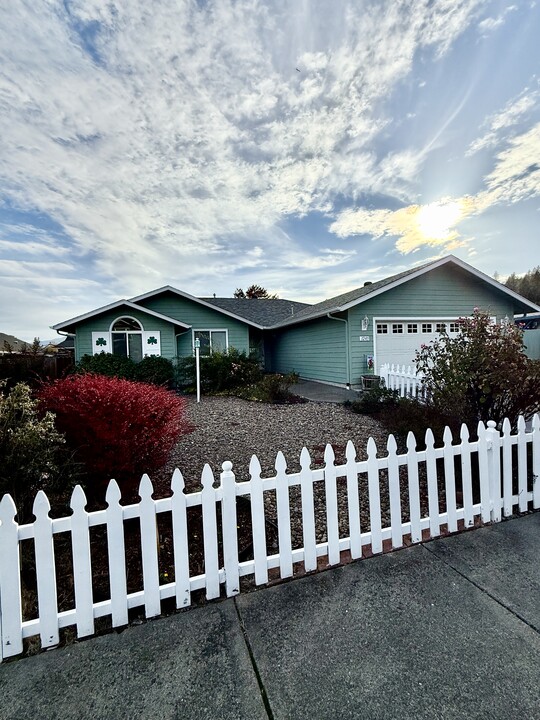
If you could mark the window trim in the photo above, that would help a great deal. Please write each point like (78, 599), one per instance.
(209, 330)
(126, 333)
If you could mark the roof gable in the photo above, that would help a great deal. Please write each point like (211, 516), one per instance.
(354, 297)
(112, 306)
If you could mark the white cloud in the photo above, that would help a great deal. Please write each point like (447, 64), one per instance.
(512, 113)
(490, 24)
(188, 126)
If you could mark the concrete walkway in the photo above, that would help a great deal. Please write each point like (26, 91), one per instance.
(320, 392)
(449, 629)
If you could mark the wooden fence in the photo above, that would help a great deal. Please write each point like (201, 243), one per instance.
(495, 475)
(405, 380)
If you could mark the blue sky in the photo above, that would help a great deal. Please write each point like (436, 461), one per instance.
(305, 146)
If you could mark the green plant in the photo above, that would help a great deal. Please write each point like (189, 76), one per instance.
(33, 452)
(154, 369)
(220, 371)
(480, 374)
(375, 401)
(107, 364)
(273, 389)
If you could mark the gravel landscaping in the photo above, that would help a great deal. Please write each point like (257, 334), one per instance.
(227, 428)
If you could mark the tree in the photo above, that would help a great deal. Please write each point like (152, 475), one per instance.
(254, 292)
(482, 373)
(527, 285)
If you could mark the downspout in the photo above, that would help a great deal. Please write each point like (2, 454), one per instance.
(347, 353)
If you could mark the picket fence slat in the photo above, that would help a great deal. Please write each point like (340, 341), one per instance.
(394, 493)
(507, 480)
(10, 581)
(308, 512)
(45, 572)
(117, 556)
(82, 566)
(180, 541)
(466, 477)
(414, 488)
(536, 461)
(353, 502)
(283, 517)
(433, 491)
(522, 464)
(330, 489)
(230, 531)
(210, 536)
(374, 497)
(258, 524)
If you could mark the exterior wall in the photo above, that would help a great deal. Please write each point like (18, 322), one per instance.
(102, 323)
(444, 292)
(531, 340)
(200, 318)
(316, 350)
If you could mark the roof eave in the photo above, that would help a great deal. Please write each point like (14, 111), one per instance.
(170, 288)
(112, 306)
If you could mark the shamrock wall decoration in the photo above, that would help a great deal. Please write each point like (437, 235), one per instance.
(152, 340)
(101, 341)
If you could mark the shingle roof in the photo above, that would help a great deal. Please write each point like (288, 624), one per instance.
(262, 311)
(335, 303)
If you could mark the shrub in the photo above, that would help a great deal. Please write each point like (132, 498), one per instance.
(273, 389)
(107, 364)
(482, 373)
(155, 370)
(375, 401)
(33, 452)
(221, 371)
(118, 428)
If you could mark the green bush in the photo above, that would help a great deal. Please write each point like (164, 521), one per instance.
(220, 371)
(33, 452)
(273, 389)
(375, 401)
(107, 364)
(155, 370)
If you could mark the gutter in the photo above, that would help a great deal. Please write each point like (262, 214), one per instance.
(347, 353)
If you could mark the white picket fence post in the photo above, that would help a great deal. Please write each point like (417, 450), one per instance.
(498, 464)
(230, 530)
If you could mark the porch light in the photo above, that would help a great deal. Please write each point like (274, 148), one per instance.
(365, 322)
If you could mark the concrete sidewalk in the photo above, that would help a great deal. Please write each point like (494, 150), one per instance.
(320, 392)
(449, 629)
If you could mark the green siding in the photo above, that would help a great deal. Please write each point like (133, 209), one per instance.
(102, 323)
(316, 350)
(531, 340)
(200, 318)
(443, 292)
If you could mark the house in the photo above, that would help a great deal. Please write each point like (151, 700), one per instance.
(335, 341)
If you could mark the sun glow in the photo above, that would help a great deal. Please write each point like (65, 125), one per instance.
(437, 220)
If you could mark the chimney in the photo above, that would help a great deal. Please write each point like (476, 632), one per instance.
(368, 282)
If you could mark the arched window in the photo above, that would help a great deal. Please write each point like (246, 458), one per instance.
(126, 335)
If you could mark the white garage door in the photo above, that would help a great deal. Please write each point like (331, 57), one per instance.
(397, 340)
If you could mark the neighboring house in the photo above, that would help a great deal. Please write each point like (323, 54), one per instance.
(335, 341)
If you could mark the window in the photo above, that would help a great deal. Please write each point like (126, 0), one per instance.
(412, 328)
(211, 341)
(382, 329)
(397, 328)
(440, 327)
(126, 338)
(454, 327)
(427, 327)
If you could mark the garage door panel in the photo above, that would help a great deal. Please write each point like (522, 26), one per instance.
(398, 340)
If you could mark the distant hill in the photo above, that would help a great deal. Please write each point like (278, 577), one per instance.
(15, 343)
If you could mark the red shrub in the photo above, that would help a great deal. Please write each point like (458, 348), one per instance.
(118, 428)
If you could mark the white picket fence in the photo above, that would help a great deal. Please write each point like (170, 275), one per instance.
(497, 456)
(406, 380)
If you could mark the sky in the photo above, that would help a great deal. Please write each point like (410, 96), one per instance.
(305, 146)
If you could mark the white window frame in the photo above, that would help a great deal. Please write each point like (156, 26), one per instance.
(209, 330)
(127, 332)
(382, 328)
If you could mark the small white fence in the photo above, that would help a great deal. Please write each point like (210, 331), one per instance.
(505, 468)
(406, 380)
